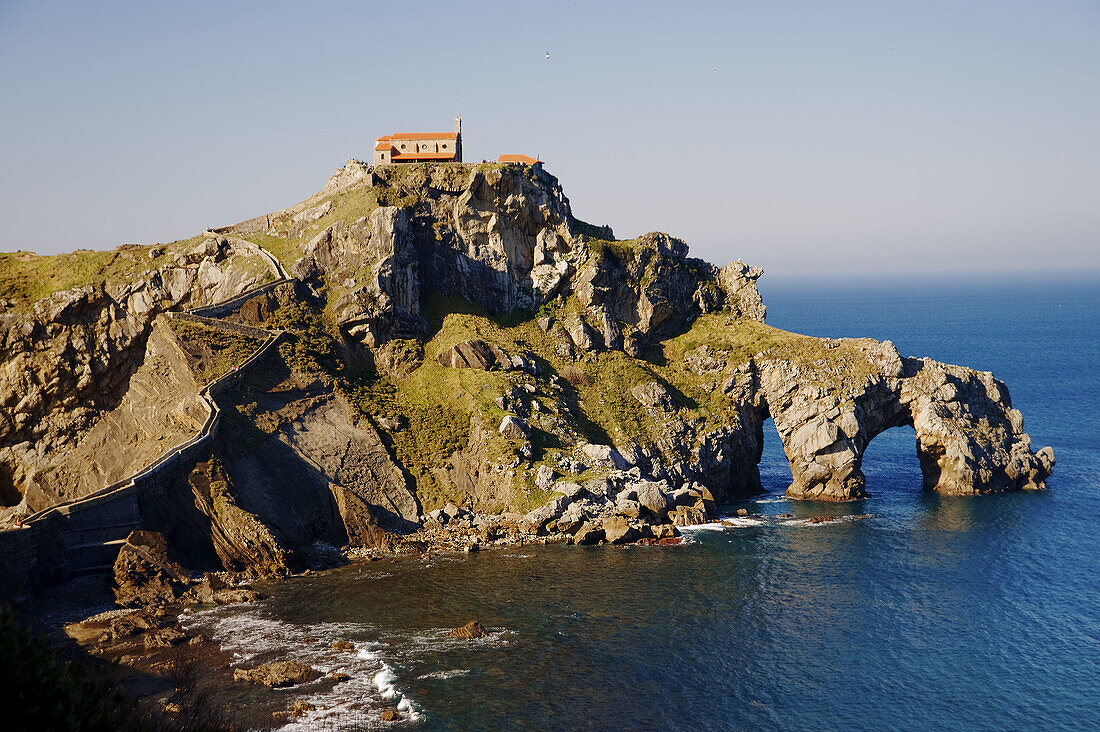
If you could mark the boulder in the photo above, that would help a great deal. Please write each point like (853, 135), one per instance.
(588, 533)
(651, 497)
(538, 518)
(164, 638)
(514, 428)
(628, 508)
(601, 456)
(129, 624)
(617, 530)
(665, 531)
(688, 516)
(653, 395)
(212, 590)
(278, 674)
(143, 573)
(477, 354)
(544, 477)
(569, 489)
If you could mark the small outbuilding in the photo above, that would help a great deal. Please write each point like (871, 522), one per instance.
(518, 159)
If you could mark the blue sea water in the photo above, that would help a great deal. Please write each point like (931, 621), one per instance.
(918, 612)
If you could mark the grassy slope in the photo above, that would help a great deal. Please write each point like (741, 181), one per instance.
(26, 277)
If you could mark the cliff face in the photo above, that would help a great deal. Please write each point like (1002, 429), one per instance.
(79, 363)
(459, 339)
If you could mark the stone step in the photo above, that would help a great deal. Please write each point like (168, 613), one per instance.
(115, 543)
(95, 569)
(97, 534)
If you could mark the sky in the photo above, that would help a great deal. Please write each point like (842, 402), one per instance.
(808, 138)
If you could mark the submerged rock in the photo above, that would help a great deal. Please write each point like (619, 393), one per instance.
(470, 631)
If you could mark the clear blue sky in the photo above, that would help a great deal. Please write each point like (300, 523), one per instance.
(807, 137)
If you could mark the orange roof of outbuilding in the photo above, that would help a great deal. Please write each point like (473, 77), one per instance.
(517, 158)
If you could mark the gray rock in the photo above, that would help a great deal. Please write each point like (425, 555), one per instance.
(653, 395)
(651, 497)
(617, 530)
(514, 428)
(480, 355)
(601, 456)
(588, 533)
(628, 508)
(569, 489)
(544, 477)
(687, 516)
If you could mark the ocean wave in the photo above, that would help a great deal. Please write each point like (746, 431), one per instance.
(848, 519)
(443, 675)
(727, 523)
(354, 703)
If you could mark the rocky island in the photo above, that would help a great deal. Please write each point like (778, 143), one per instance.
(432, 355)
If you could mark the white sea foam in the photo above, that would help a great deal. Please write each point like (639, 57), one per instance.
(741, 522)
(833, 520)
(444, 675)
(384, 680)
(771, 499)
(710, 526)
(352, 704)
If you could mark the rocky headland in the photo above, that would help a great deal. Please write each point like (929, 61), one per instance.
(449, 359)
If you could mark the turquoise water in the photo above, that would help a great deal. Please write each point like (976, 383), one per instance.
(916, 612)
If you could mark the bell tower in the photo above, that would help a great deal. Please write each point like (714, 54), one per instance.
(458, 139)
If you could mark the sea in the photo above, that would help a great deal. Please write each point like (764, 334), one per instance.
(913, 611)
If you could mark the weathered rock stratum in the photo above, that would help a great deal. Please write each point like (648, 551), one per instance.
(462, 354)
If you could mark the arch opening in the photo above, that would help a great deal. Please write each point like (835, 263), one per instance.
(891, 462)
(775, 470)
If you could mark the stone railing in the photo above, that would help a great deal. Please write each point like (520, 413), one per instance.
(272, 262)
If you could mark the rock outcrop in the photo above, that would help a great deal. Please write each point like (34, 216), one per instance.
(67, 362)
(461, 356)
(278, 674)
(969, 438)
(144, 575)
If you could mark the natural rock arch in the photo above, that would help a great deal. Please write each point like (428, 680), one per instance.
(969, 438)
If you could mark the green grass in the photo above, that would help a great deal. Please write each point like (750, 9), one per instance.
(26, 277)
(741, 340)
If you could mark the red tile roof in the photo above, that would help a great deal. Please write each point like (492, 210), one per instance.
(382, 146)
(525, 159)
(419, 136)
